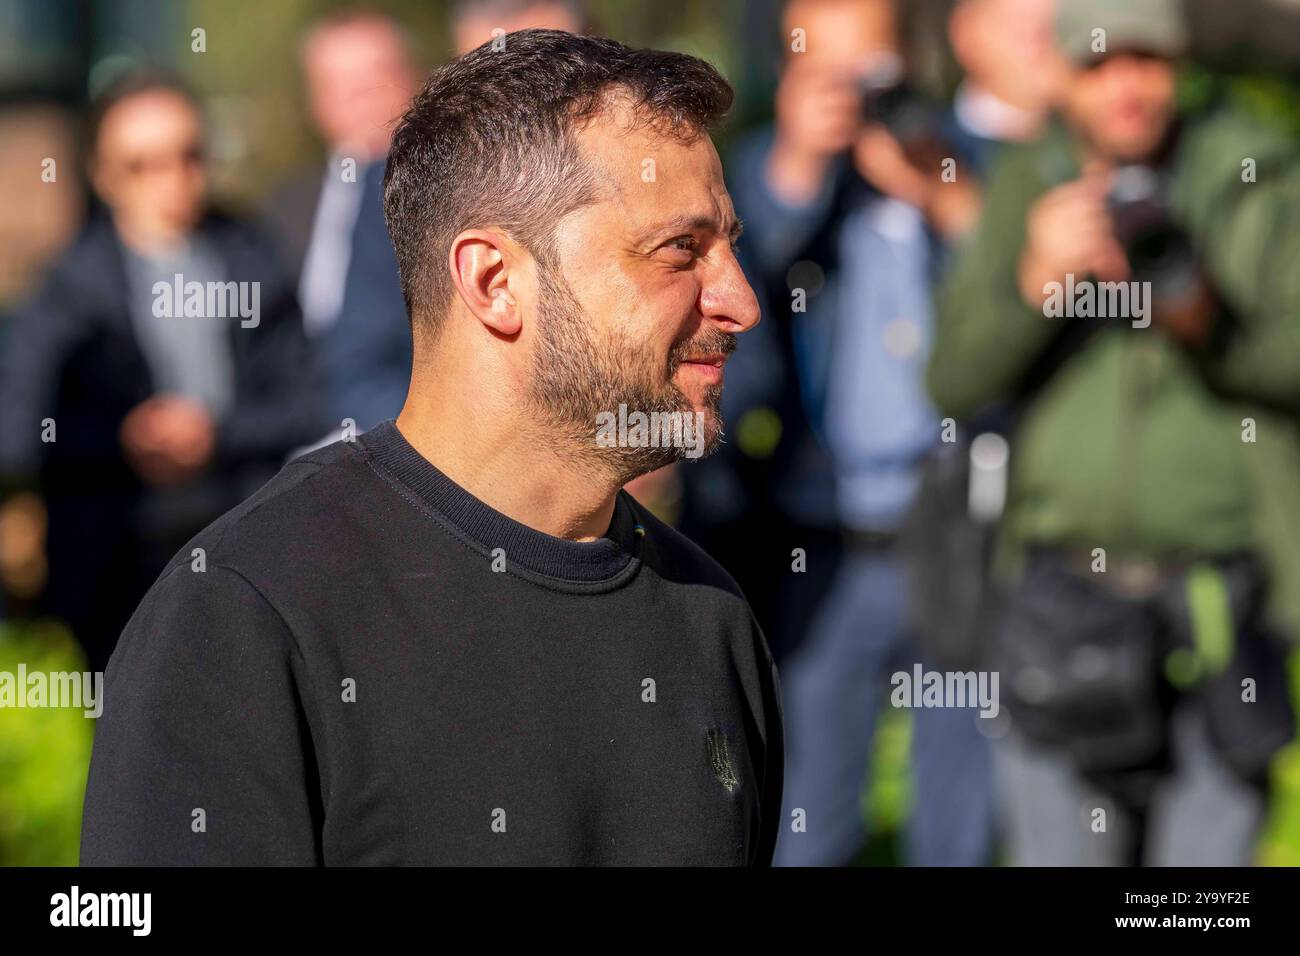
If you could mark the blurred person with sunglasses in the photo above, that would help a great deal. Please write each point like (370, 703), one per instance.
(139, 408)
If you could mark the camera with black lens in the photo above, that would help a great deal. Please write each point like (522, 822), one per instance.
(889, 100)
(1158, 250)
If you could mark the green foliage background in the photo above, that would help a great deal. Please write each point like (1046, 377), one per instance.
(44, 755)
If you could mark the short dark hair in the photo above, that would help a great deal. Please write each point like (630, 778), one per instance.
(130, 84)
(489, 141)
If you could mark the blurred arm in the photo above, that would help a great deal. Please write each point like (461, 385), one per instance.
(32, 353)
(987, 336)
(1249, 237)
(776, 230)
(278, 391)
(773, 766)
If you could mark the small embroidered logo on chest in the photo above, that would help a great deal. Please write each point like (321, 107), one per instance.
(720, 759)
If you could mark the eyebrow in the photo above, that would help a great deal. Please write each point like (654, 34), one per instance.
(688, 223)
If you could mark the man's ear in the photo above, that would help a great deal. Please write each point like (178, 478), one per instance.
(482, 261)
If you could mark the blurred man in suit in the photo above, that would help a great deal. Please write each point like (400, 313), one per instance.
(359, 75)
(367, 354)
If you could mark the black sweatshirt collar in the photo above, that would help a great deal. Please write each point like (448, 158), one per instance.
(609, 560)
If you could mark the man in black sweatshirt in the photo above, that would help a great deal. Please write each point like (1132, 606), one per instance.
(453, 639)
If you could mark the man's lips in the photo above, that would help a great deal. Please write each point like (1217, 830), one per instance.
(707, 366)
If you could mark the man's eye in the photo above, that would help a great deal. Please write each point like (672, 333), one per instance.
(685, 243)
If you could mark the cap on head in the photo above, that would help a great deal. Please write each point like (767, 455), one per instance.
(1157, 27)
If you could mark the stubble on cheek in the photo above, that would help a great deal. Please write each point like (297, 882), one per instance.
(582, 371)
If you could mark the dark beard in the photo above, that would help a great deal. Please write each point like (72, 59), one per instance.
(576, 378)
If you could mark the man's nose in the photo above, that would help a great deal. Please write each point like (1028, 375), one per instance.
(727, 297)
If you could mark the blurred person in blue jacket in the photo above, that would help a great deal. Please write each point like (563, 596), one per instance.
(846, 218)
(158, 376)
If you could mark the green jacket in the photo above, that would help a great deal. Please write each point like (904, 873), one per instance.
(1136, 444)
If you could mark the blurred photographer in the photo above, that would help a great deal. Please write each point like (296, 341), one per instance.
(845, 216)
(1152, 507)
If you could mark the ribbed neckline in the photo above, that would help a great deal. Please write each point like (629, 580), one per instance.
(608, 561)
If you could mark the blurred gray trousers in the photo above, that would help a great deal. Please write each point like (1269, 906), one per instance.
(1202, 815)
(834, 686)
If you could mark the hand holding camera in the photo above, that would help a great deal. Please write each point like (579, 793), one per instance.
(1115, 225)
(1070, 231)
